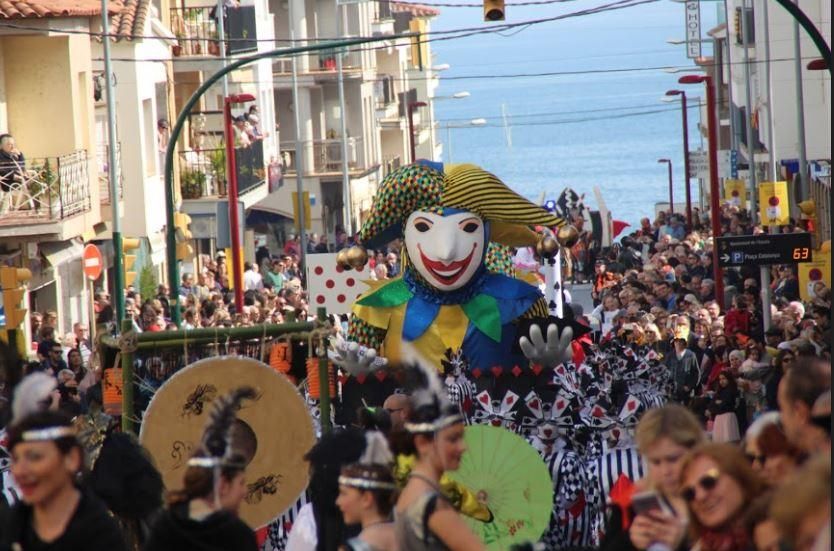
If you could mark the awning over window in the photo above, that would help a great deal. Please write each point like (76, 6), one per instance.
(57, 253)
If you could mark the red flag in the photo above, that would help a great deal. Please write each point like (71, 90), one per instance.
(617, 227)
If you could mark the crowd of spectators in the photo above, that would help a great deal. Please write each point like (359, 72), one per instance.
(742, 459)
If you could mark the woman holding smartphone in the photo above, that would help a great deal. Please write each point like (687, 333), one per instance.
(651, 512)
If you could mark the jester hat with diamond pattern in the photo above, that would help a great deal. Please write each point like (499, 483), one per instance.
(428, 187)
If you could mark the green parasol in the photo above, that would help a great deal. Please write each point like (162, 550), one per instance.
(506, 473)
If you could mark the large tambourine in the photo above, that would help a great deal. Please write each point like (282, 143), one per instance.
(274, 430)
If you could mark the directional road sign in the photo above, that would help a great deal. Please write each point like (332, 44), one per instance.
(763, 250)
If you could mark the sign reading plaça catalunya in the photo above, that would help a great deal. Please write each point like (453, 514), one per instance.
(764, 249)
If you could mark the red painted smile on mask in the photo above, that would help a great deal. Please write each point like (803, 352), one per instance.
(447, 274)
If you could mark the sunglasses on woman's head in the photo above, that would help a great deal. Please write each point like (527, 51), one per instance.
(706, 482)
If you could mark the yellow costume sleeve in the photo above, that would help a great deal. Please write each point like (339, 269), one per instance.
(458, 495)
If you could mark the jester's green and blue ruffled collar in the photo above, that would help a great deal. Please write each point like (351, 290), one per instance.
(488, 300)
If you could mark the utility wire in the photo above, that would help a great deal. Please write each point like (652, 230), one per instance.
(568, 121)
(466, 31)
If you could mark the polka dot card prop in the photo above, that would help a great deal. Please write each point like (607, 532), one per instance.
(332, 286)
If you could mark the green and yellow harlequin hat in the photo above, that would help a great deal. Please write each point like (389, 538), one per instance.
(428, 187)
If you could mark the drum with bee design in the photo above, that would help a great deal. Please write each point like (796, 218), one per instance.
(274, 430)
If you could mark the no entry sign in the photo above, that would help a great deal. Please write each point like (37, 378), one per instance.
(92, 262)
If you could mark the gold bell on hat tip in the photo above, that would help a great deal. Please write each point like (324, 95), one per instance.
(547, 247)
(342, 259)
(567, 236)
(357, 257)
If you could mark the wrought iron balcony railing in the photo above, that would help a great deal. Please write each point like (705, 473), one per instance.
(45, 189)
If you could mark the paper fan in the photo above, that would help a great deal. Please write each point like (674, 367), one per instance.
(507, 473)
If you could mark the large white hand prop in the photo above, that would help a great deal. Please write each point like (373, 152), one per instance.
(548, 352)
(353, 357)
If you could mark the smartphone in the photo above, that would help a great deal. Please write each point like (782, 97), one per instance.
(646, 501)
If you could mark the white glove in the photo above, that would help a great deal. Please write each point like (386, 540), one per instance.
(353, 357)
(552, 352)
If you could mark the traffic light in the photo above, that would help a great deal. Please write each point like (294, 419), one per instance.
(493, 10)
(12, 281)
(129, 244)
(184, 249)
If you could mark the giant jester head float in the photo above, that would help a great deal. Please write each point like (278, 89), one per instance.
(447, 298)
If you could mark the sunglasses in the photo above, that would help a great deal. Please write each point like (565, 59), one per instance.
(706, 482)
(755, 458)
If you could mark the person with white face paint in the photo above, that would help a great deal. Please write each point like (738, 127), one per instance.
(450, 295)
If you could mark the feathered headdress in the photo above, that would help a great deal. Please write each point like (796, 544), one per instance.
(373, 471)
(216, 445)
(431, 409)
(32, 395)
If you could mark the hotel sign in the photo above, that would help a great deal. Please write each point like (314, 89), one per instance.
(693, 29)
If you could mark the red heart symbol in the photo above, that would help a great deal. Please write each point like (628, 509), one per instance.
(509, 400)
(342, 379)
(380, 375)
(361, 378)
(560, 370)
(597, 412)
(496, 422)
(535, 404)
(536, 368)
(484, 399)
(615, 433)
(496, 370)
(631, 406)
(476, 373)
(548, 432)
(516, 371)
(560, 404)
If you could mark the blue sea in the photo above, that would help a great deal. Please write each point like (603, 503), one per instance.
(573, 131)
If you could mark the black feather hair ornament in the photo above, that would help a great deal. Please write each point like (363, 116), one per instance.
(216, 445)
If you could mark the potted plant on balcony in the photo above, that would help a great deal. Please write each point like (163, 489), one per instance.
(176, 49)
(192, 183)
(217, 161)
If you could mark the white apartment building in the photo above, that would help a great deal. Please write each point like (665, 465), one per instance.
(774, 111)
(377, 92)
(201, 163)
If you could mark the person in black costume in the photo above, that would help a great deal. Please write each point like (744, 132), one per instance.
(55, 513)
(203, 515)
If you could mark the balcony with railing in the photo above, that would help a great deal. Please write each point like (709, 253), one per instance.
(323, 63)
(327, 155)
(203, 172)
(390, 163)
(103, 159)
(44, 190)
(197, 34)
(384, 92)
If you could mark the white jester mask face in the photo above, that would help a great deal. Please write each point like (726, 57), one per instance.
(445, 250)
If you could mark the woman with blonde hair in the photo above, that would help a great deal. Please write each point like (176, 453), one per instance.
(652, 512)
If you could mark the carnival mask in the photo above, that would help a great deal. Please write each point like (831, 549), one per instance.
(445, 250)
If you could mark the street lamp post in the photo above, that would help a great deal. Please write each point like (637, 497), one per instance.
(671, 196)
(412, 140)
(686, 174)
(471, 123)
(715, 211)
(231, 175)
